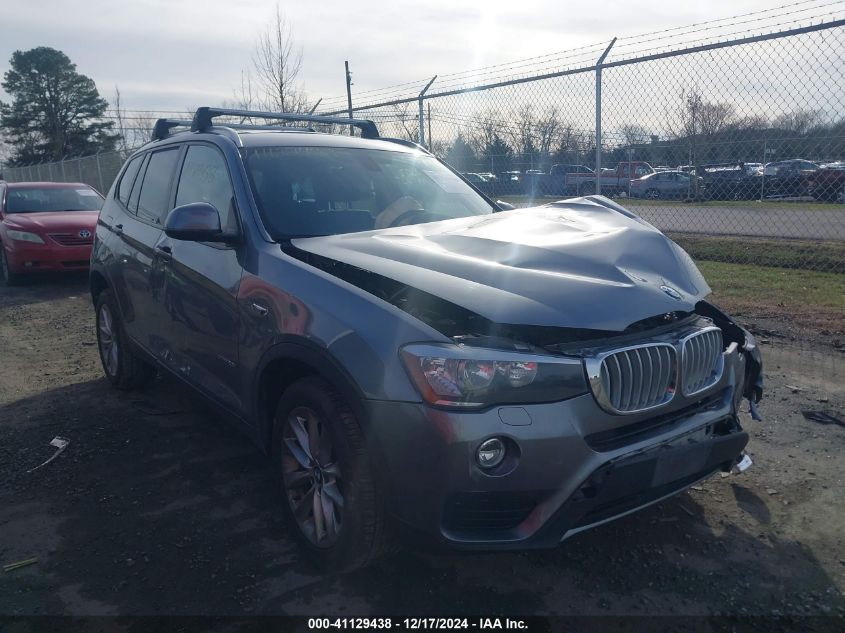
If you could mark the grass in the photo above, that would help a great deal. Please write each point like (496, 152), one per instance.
(804, 298)
(822, 256)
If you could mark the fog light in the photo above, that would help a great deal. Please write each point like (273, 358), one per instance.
(491, 453)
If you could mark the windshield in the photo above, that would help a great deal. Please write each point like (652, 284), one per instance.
(42, 199)
(310, 191)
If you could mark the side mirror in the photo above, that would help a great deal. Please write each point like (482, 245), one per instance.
(504, 206)
(194, 222)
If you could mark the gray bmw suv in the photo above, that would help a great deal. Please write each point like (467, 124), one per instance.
(416, 360)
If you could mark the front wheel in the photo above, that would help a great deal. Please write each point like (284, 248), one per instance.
(332, 501)
(121, 364)
(652, 194)
(9, 278)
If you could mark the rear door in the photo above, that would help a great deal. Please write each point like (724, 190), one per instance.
(202, 282)
(142, 196)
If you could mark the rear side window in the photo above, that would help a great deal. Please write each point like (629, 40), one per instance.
(125, 186)
(205, 178)
(154, 200)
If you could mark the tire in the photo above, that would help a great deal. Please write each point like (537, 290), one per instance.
(652, 194)
(587, 189)
(122, 365)
(9, 278)
(340, 477)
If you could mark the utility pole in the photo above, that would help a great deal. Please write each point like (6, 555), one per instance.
(349, 95)
(420, 122)
(429, 126)
(598, 115)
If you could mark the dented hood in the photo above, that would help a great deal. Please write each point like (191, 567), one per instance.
(582, 263)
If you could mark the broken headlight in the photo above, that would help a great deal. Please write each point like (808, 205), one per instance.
(464, 376)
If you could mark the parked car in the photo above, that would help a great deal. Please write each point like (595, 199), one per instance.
(613, 181)
(665, 184)
(413, 358)
(828, 182)
(510, 183)
(789, 178)
(731, 181)
(480, 182)
(46, 227)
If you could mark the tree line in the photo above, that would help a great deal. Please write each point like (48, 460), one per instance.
(57, 112)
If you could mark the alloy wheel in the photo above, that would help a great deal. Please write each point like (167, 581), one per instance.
(107, 340)
(312, 477)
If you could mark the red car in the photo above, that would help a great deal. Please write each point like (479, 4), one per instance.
(46, 226)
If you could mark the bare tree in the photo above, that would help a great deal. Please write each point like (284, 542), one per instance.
(633, 134)
(798, 121)
(277, 62)
(134, 128)
(548, 131)
(523, 133)
(696, 120)
(408, 120)
(120, 121)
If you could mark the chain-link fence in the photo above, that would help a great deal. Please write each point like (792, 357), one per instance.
(729, 139)
(736, 148)
(98, 170)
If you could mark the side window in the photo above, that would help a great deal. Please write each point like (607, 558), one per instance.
(128, 179)
(205, 178)
(136, 188)
(154, 201)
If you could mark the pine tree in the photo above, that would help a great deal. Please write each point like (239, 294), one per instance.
(55, 111)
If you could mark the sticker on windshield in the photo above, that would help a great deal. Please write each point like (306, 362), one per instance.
(446, 180)
(87, 192)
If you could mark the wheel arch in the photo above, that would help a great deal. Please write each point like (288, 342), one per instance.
(97, 283)
(288, 361)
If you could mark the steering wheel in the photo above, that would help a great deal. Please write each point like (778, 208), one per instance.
(398, 212)
(407, 217)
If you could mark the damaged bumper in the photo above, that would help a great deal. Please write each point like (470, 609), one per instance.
(575, 465)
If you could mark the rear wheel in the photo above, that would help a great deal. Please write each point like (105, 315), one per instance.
(121, 364)
(332, 501)
(652, 194)
(9, 278)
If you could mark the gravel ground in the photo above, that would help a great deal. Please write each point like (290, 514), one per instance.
(158, 507)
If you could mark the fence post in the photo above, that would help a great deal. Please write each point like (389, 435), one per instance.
(79, 167)
(763, 172)
(64, 175)
(598, 114)
(100, 172)
(421, 132)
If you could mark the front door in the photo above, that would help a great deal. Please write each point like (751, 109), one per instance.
(202, 281)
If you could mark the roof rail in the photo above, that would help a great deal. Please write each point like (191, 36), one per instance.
(204, 115)
(162, 127)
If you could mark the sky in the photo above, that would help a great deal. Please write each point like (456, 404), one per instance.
(178, 54)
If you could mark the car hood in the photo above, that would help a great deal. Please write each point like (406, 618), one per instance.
(53, 221)
(582, 263)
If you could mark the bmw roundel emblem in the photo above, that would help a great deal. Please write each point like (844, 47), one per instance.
(669, 290)
(85, 234)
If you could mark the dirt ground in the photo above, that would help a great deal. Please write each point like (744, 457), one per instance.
(158, 507)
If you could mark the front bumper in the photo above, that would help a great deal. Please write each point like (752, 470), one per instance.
(577, 465)
(26, 257)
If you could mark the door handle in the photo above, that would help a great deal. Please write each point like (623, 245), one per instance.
(164, 251)
(259, 309)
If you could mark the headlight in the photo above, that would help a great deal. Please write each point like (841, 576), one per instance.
(23, 236)
(464, 376)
